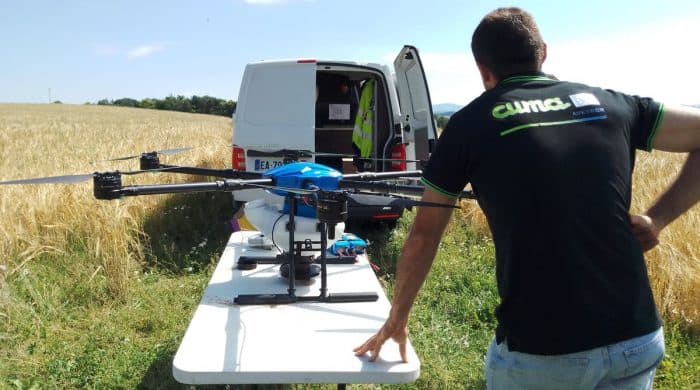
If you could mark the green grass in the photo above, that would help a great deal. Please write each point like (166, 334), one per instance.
(60, 328)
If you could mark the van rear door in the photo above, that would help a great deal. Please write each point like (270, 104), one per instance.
(414, 101)
(275, 110)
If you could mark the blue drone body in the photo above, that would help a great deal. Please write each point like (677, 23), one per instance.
(303, 176)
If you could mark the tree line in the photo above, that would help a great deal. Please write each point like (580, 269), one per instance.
(195, 104)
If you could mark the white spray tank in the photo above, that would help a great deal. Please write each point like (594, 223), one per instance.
(269, 219)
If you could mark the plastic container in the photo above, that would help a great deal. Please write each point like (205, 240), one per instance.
(271, 222)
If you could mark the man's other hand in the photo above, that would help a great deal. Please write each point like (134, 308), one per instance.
(645, 231)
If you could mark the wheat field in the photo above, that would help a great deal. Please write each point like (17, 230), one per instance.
(46, 140)
(52, 140)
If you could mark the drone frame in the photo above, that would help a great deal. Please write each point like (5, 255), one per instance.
(331, 208)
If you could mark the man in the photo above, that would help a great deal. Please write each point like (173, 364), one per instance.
(551, 163)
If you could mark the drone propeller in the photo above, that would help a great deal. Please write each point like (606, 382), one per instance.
(165, 152)
(369, 200)
(70, 179)
(66, 179)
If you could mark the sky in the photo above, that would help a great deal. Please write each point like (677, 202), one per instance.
(84, 51)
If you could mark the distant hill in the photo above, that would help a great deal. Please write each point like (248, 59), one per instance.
(445, 109)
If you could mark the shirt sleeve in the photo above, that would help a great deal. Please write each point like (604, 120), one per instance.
(649, 115)
(447, 167)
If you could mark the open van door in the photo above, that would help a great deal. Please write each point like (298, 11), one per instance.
(414, 101)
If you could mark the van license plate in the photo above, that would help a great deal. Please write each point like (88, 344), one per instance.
(263, 164)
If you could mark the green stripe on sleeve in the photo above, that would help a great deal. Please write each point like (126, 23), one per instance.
(437, 189)
(655, 129)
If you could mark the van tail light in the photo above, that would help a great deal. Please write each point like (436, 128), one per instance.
(238, 158)
(398, 152)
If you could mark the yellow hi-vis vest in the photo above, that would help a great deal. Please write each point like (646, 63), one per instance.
(362, 132)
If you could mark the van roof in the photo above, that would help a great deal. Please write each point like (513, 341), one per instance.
(311, 60)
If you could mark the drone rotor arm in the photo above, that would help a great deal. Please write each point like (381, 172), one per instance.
(381, 175)
(382, 187)
(228, 185)
(370, 200)
(221, 173)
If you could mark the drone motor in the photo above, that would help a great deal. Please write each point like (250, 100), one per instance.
(107, 185)
(332, 208)
(149, 161)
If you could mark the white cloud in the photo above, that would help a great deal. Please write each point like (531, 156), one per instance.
(452, 77)
(143, 51)
(659, 60)
(654, 60)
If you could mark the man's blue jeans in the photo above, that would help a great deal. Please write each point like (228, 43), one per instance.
(628, 364)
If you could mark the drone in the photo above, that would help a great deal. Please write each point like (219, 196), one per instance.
(312, 203)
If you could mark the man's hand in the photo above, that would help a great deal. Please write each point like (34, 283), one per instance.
(412, 268)
(645, 231)
(393, 329)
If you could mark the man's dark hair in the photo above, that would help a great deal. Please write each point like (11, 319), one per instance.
(507, 41)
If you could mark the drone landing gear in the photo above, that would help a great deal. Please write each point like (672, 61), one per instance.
(306, 267)
(306, 270)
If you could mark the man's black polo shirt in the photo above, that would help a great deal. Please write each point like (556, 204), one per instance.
(551, 163)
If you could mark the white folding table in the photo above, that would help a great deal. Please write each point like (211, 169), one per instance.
(308, 342)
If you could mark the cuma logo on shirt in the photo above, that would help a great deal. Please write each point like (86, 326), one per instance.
(505, 110)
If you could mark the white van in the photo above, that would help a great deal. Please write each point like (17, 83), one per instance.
(287, 109)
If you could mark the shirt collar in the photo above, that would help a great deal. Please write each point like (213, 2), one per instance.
(525, 77)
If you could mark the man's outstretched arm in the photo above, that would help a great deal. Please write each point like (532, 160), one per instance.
(413, 266)
(679, 132)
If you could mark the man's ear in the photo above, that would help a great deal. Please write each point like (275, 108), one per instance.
(544, 54)
(487, 77)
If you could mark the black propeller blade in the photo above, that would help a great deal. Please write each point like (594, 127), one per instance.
(70, 179)
(66, 179)
(370, 200)
(170, 152)
(165, 152)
